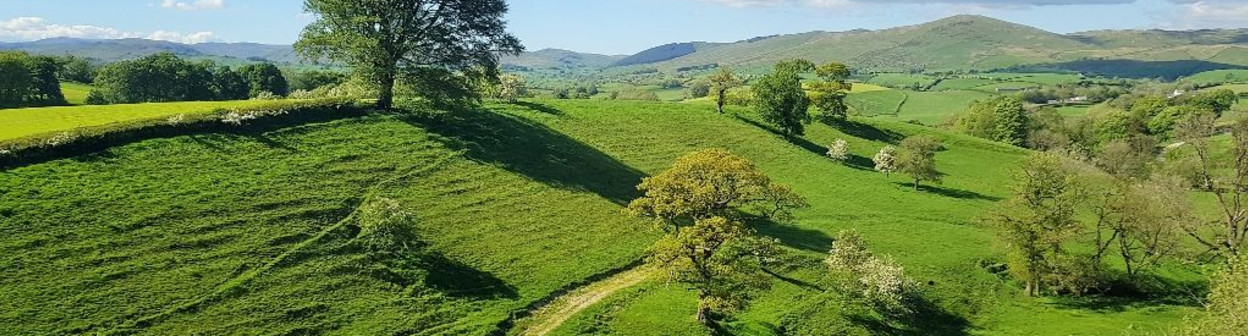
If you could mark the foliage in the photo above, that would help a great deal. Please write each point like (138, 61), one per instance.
(1227, 234)
(228, 84)
(710, 183)
(828, 94)
(839, 150)
(1142, 221)
(512, 87)
(384, 40)
(1218, 101)
(780, 100)
(76, 69)
(1227, 305)
(886, 160)
(1002, 118)
(722, 259)
(310, 80)
(917, 158)
(878, 279)
(264, 77)
(386, 227)
(1039, 219)
(27, 81)
(164, 77)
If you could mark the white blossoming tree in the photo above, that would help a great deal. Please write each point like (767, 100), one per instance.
(886, 160)
(878, 279)
(839, 150)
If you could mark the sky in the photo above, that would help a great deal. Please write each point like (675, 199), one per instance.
(605, 26)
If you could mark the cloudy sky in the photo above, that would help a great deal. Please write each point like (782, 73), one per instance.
(605, 26)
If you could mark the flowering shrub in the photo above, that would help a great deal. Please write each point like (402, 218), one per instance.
(839, 150)
(59, 139)
(878, 279)
(177, 119)
(886, 160)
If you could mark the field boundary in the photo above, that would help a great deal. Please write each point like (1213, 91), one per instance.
(85, 140)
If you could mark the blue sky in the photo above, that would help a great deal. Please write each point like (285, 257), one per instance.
(606, 26)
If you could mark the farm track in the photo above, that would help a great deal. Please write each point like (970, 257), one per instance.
(553, 315)
(233, 284)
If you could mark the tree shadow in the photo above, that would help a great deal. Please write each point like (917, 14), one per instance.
(1142, 290)
(791, 235)
(950, 192)
(856, 162)
(866, 131)
(457, 279)
(1168, 70)
(539, 107)
(927, 318)
(793, 281)
(533, 150)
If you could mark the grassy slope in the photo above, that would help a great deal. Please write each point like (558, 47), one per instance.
(513, 210)
(75, 93)
(1218, 76)
(17, 123)
(516, 206)
(936, 236)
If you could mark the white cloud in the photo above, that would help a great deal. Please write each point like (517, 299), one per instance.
(194, 5)
(34, 28)
(985, 3)
(1212, 14)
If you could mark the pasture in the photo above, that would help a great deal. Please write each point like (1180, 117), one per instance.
(20, 123)
(1218, 77)
(75, 93)
(251, 231)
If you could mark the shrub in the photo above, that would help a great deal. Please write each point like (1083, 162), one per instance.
(386, 227)
(839, 150)
(878, 279)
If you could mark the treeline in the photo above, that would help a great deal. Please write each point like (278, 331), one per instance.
(29, 81)
(164, 77)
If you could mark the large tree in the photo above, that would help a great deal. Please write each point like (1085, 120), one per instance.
(917, 158)
(15, 79)
(264, 77)
(1039, 219)
(428, 39)
(828, 95)
(721, 82)
(780, 100)
(722, 259)
(1227, 179)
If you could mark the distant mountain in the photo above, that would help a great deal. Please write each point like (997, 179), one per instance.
(124, 49)
(962, 42)
(663, 53)
(558, 58)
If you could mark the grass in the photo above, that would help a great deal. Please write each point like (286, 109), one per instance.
(19, 123)
(250, 231)
(962, 84)
(1218, 77)
(897, 80)
(876, 103)
(75, 93)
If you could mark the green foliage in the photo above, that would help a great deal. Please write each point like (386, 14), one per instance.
(828, 94)
(29, 81)
(310, 80)
(1218, 101)
(721, 82)
(1002, 118)
(917, 158)
(1038, 220)
(228, 84)
(879, 280)
(1228, 303)
(384, 40)
(264, 77)
(722, 259)
(710, 183)
(15, 79)
(76, 69)
(780, 100)
(387, 228)
(163, 77)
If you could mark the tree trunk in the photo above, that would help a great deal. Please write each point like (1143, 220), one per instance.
(719, 102)
(916, 184)
(704, 311)
(385, 99)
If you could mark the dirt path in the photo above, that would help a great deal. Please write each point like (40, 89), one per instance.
(553, 315)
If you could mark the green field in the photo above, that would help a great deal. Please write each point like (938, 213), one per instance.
(1036, 78)
(962, 84)
(896, 80)
(876, 103)
(250, 232)
(1218, 77)
(19, 123)
(75, 94)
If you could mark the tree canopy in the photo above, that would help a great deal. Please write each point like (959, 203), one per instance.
(436, 44)
(780, 100)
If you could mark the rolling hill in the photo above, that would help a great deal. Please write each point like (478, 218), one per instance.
(969, 42)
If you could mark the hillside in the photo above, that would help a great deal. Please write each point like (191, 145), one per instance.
(251, 231)
(968, 42)
(557, 58)
(125, 49)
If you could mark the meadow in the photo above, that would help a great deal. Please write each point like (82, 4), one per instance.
(75, 93)
(25, 122)
(1218, 77)
(251, 231)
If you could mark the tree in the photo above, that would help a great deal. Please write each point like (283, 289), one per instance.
(828, 94)
(45, 88)
(721, 259)
(710, 183)
(1226, 179)
(917, 158)
(1143, 220)
(1218, 101)
(314, 79)
(1162, 124)
(839, 150)
(721, 82)
(15, 79)
(161, 77)
(228, 84)
(384, 40)
(879, 279)
(1038, 219)
(1002, 119)
(1227, 304)
(512, 87)
(780, 100)
(76, 69)
(264, 77)
(886, 160)
(699, 88)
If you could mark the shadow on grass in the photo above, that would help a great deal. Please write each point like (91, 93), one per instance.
(865, 131)
(1142, 290)
(927, 319)
(460, 280)
(539, 107)
(856, 162)
(792, 235)
(533, 150)
(949, 192)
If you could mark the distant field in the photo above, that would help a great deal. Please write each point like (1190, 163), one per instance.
(992, 88)
(1038, 78)
(75, 93)
(866, 87)
(933, 108)
(876, 103)
(1238, 88)
(1219, 76)
(900, 80)
(962, 84)
(17, 123)
(1074, 110)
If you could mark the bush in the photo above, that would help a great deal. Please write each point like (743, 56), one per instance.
(386, 227)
